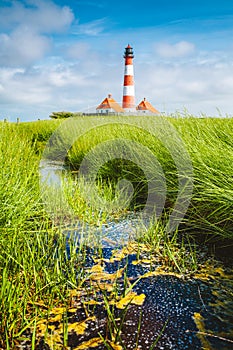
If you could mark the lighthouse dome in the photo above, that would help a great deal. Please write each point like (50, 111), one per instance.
(129, 52)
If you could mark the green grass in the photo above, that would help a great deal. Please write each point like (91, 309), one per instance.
(18, 181)
(209, 143)
(36, 273)
(34, 267)
(38, 132)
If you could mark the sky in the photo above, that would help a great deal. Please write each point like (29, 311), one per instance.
(58, 55)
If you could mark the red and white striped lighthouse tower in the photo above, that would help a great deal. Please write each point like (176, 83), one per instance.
(128, 102)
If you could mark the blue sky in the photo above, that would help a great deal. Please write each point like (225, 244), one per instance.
(68, 55)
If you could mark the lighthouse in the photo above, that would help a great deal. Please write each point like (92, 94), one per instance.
(128, 102)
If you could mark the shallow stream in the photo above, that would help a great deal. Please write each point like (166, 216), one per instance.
(176, 313)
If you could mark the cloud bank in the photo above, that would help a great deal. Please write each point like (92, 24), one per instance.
(49, 61)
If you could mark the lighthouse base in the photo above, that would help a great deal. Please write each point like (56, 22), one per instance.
(130, 110)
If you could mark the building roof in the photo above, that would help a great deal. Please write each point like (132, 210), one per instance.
(144, 105)
(110, 103)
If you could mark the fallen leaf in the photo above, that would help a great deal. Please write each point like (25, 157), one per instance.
(100, 276)
(97, 269)
(80, 327)
(58, 310)
(115, 346)
(54, 339)
(130, 298)
(56, 318)
(42, 328)
(92, 302)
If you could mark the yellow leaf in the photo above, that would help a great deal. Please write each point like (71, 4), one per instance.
(130, 298)
(105, 286)
(119, 256)
(136, 262)
(41, 304)
(42, 328)
(220, 271)
(76, 293)
(199, 320)
(92, 302)
(72, 310)
(143, 261)
(80, 327)
(149, 274)
(139, 299)
(97, 269)
(53, 339)
(56, 318)
(58, 310)
(115, 346)
(99, 276)
(118, 274)
(41, 321)
(106, 276)
(146, 261)
(92, 343)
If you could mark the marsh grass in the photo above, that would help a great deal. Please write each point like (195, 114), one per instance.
(39, 265)
(209, 143)
(176, 252)
(36, 275)
(38, 132)
(35, 271)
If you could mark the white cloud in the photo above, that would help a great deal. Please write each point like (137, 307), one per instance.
(78, 50)
(40, 15)
(92, 28)
(23, 87)
(25, 25)
(197, 87)
(22, 47)
(180, 49)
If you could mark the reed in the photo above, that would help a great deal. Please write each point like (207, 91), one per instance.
(209, 144)
(35, 269)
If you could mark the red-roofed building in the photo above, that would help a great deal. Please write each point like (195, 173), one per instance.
(109, 105)
(145, 107)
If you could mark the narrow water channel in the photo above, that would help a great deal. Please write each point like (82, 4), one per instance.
(177, 312)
